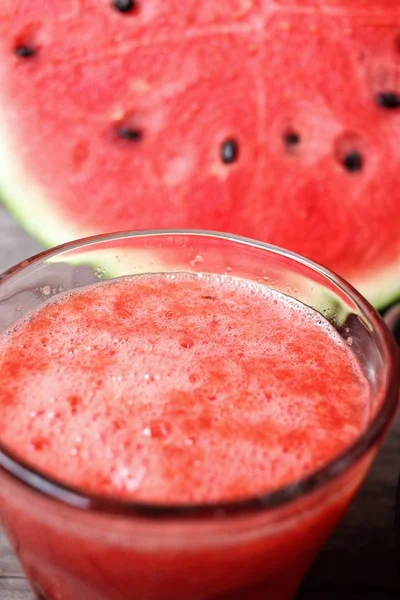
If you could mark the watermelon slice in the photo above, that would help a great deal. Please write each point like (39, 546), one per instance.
(278, 120)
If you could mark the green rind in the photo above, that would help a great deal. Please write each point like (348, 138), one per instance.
(34, 214)
(382, 289)
(17, 213)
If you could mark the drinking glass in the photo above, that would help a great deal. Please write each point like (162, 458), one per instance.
(74, 545)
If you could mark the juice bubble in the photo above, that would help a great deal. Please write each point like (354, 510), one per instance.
(157, 429)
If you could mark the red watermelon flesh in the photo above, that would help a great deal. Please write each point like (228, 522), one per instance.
(275, 120)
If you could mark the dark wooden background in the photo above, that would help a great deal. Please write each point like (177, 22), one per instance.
(358, 563)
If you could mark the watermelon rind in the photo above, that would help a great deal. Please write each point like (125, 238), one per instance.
(26, 200)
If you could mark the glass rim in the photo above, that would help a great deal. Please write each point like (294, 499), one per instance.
(79, 498)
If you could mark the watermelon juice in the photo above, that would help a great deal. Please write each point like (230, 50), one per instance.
(185, 433)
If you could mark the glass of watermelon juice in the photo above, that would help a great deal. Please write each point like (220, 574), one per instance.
(183, 415)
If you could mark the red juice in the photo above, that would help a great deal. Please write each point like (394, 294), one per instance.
(177, 389)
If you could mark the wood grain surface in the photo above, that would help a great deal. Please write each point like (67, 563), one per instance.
(359, 561)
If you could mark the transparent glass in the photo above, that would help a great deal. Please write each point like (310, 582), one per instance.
(74, 545)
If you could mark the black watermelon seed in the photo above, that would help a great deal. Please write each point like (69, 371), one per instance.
(229, 151)
(24, 51)
(389, 100)
(353, 161)
(208, 297)
(124, 6)
(128, 133)
(291, 138)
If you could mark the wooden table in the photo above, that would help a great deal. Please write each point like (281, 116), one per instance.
(358, 563)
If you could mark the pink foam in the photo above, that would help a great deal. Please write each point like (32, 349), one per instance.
(178, 388)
